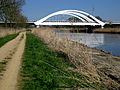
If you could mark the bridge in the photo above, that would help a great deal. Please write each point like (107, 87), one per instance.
(71, 18)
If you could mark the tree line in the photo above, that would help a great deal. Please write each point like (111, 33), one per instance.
(10, 11)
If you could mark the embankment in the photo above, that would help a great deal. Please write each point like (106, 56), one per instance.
(108, 30)
(99, 66)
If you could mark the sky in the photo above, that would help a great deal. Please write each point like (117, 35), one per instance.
(106, 9)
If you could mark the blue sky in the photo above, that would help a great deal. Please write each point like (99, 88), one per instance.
(106, 9)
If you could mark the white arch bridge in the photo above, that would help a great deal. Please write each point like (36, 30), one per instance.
(70, 17)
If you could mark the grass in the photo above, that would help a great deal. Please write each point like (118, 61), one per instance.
(7, 38)
(44, 69)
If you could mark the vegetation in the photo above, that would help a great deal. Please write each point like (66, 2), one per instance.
(7, 38)
(43, 69)
(78, 54)
(10, 11)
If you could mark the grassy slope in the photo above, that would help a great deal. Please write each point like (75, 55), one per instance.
(7, 38)
(44, 69)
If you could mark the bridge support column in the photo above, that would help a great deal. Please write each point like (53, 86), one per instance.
(37, 26)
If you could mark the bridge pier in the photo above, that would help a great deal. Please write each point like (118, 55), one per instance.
(37, 26)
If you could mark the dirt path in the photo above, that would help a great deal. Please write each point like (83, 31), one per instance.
(9, 79)
(8, 49)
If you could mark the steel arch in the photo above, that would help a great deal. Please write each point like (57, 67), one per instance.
(83, 16)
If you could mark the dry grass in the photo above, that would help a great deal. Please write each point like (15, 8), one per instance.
(79, 55)
(7, 31)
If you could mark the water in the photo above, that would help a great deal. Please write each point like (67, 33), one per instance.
(107, 42)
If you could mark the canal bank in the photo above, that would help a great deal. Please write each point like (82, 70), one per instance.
(99, 66)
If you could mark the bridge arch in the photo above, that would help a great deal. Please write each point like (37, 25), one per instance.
(86, 18)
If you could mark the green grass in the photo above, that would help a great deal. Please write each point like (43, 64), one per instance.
(44, 69)
(7, 38)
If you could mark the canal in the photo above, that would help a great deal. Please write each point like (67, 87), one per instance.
(106, 42)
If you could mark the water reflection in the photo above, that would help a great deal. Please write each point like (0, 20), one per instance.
(107, 42)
